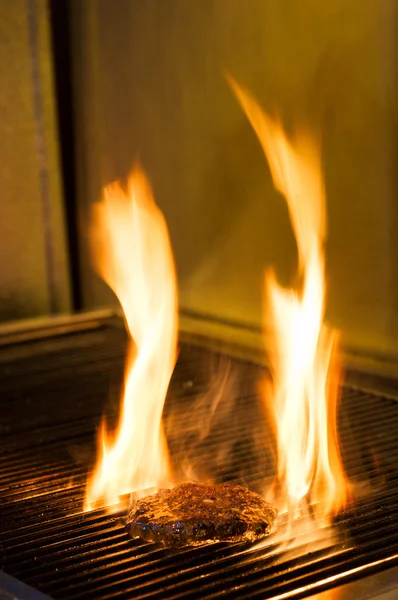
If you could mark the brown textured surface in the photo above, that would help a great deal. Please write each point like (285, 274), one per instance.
(194, 513)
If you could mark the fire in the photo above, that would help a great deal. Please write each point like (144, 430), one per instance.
(303, 349)
(133, 255)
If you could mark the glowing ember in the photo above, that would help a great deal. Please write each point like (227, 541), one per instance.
(304, 393)
(133, 255)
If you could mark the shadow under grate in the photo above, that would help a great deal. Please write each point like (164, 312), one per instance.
(53, 393)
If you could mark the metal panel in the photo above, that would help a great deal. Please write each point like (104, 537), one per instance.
(150, 86)
(33, 265)
(12, 589)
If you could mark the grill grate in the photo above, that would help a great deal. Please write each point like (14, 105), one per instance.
(53, 393)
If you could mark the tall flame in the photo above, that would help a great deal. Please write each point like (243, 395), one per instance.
(133, 255)
(303, 357)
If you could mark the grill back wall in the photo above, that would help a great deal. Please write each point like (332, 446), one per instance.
(149, 85)
(34, 264)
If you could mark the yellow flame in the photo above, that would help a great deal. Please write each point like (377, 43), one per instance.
(133, 255)
(302, 354)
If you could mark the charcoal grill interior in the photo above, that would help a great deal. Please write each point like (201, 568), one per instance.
(53, 392)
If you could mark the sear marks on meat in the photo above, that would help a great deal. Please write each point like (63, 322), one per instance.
(192, 514)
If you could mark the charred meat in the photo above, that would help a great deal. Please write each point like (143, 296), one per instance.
(192, 514)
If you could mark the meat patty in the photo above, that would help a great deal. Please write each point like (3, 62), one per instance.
(192, 514)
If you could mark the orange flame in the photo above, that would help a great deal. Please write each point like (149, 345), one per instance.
(305, 384)
(133, 255)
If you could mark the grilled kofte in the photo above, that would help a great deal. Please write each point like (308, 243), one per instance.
(192, 514)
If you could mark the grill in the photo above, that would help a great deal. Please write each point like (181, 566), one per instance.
(54, 390)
